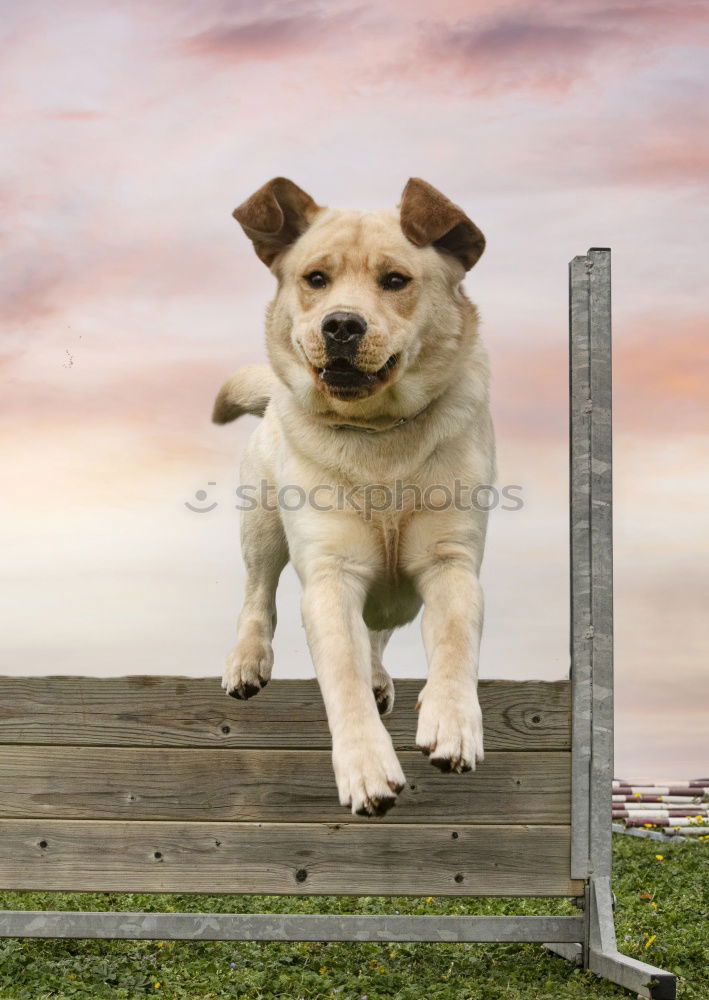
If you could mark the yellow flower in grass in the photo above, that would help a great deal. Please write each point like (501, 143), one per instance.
(323, 971)
(156, 985)
(429, 899)
(653, 905)
(659, 857)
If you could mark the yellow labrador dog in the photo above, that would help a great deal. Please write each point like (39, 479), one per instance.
(376, 436)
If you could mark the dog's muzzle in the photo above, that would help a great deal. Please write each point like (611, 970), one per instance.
(342, 333)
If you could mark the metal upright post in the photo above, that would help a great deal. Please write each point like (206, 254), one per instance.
(601, 554)
(591, 540)
(581, 629)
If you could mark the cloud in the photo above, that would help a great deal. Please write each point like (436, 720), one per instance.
(518, 37)
(660, 374)
(674, 150)
(272, 36)
(552, 45)
(661, 370)
(27, 291)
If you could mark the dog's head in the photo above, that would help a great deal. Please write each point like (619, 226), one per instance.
(368, 303)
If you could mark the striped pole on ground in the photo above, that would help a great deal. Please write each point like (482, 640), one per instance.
(676, 807)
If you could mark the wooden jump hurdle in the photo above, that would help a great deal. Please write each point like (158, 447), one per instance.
(163, 784)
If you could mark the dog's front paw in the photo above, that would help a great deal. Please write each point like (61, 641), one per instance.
(450, 726)
(248, 668)
(367, 772)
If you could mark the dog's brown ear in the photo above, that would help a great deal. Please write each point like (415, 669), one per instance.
(429, 218)
(275, 216)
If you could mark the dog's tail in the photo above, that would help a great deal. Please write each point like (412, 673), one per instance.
(248, 390)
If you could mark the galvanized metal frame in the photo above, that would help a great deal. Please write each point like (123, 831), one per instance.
(589, 938)
(286, 927)
(591, 546)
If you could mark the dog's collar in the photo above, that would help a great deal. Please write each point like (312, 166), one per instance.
(379, 430)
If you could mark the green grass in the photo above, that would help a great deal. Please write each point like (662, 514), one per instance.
(671, 934)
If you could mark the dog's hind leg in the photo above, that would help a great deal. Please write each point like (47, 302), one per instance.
(382, 684)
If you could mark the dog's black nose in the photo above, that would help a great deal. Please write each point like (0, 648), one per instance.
(344, 327)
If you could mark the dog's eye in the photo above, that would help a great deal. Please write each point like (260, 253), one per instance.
(316, 279)
(393, 281)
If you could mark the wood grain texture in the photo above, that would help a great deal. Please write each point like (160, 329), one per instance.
(289, 858)
(159, 711)
(269, 786)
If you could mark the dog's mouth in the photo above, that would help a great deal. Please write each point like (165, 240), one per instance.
(345, 379)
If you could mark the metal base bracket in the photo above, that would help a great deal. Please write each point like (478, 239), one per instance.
(601, 955)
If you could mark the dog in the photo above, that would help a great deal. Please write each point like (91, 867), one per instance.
(378, 381)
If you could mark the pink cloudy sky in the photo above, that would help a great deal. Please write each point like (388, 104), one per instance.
(128, 293)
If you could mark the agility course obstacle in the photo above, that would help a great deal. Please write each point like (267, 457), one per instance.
(163, 784)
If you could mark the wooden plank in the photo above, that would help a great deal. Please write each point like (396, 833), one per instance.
(269, 786)
(195, 712)
(289, 858)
